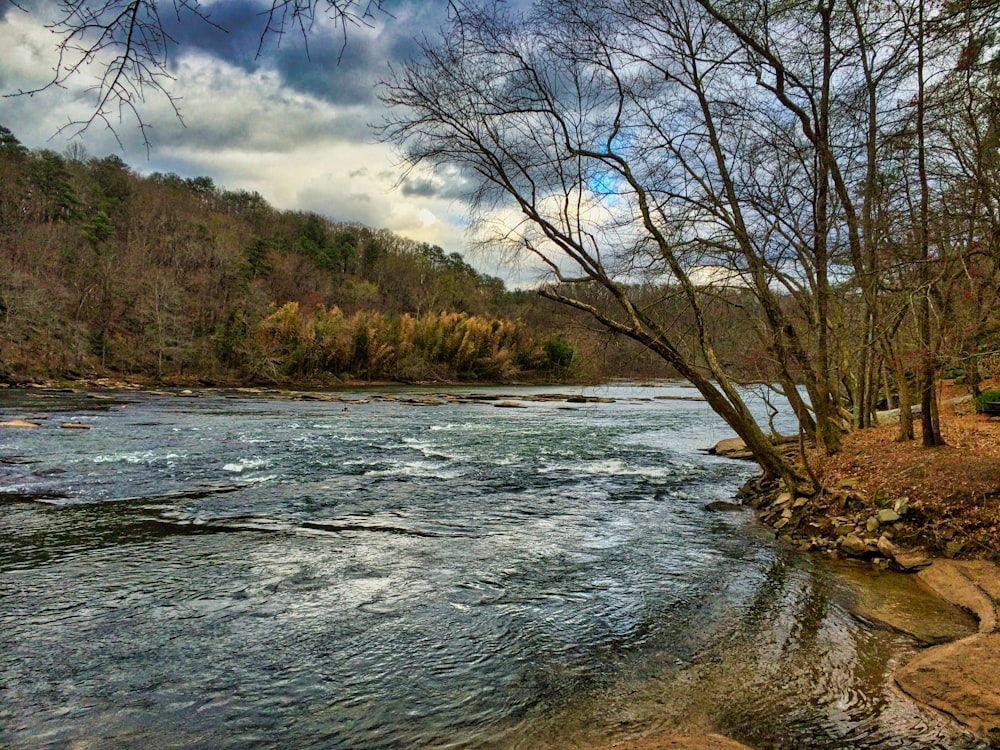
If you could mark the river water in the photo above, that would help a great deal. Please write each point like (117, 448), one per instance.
(240, 570)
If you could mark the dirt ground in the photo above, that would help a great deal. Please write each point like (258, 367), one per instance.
(953, 490)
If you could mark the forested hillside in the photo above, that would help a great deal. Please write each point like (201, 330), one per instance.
(107, 273)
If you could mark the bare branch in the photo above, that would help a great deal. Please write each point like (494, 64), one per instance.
(129, 46)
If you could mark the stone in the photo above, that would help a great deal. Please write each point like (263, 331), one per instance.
(721, 506)
(508, 405)
(952, 548)
(853, 545)
(885, 547)
(910, 560)
(19, 423)
(74, 426)
(902, 505)
(781, 523)
(843, 529)
(800, 501)
(783, 498)
(872, 524)
(887, 515)
(731, 448)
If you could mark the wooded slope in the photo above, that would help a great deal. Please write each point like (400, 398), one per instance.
(107, 273)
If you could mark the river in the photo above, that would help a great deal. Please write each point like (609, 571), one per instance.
(239, 570)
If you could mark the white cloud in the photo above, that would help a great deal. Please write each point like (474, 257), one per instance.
(251, 129)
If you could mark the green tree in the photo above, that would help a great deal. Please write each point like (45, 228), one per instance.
(10, 146)
(98, 230)
(57, 199)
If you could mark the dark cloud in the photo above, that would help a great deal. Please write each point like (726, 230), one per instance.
(447, 184)
(230, 31)
(330, 62)
(423, 188)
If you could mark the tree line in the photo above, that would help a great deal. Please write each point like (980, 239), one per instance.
(104, 272)
(821, 180)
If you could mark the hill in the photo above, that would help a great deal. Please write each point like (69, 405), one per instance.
(106, 273)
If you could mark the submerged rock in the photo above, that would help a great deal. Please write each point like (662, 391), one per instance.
(721, 506)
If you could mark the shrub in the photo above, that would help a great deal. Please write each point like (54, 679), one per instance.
(559, 351)
(986, 397)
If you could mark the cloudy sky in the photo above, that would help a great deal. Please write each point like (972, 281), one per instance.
(290, 123)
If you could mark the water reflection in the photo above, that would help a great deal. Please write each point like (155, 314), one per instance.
(787, 666)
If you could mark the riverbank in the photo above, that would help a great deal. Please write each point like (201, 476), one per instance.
(897, 503)
(934, 512)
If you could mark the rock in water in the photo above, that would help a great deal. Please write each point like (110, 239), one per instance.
(731, 448)
(721, 506)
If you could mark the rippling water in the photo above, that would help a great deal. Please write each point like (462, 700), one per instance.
(233, 572)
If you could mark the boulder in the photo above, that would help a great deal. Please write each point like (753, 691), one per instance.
(19, 423)
(74, 426)
(731, 448)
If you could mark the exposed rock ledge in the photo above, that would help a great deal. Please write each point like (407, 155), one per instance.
(960, 678)
(682, 742)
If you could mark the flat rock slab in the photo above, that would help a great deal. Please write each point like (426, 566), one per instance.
(731, 448)
(960, 679)
(959, 583)
(677, 742)
(906, 604)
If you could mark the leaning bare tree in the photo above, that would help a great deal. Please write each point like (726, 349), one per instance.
(602, 149)
(687, 153)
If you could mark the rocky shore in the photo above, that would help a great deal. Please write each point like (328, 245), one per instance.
(917, 511)
(838, 522)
